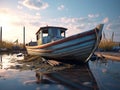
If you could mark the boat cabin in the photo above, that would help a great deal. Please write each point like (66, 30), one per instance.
(50, 33)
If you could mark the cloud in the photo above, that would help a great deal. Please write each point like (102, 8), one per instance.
(106, 20)
(19, 7)
(114, 25)
(18, 18)
(82, 22)
(7, 17)
(108, 27)
(38, 14)
(27, 19)
(61, 7)
(13, 21)
(78, 24)
(68, 20)
(34, 4)
(93, 15)
(4, 10)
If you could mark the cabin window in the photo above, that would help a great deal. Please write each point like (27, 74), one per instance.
(63, 34)
(54, 33)
(45, 34)
(37, 37)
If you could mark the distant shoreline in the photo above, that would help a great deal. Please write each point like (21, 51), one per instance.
(5, 50)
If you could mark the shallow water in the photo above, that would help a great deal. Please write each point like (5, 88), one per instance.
(7, 60)
(105, 72)
(25, 80)
(15, 79)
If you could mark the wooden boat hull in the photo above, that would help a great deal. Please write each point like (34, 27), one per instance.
(77, 47)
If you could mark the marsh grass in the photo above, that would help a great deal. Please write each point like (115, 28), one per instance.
(107, 44)
(8, 45)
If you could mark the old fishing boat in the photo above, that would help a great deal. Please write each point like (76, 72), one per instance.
(53, 44)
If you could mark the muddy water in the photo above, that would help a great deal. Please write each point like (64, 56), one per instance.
(98, 74)
(18, 79)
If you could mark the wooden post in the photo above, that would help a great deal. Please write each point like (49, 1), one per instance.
(24, 41)
(24, 36)
(0, 34)
(112, 36)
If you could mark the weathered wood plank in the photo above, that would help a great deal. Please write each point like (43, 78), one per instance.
(109, 55)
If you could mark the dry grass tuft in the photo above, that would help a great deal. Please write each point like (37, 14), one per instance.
(107, 45)
(8, 45)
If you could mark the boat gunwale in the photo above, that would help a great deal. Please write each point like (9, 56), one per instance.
(48, 51)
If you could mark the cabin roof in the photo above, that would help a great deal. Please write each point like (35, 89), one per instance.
(45, 29)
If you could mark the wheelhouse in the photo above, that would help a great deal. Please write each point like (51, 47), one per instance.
(50, 33)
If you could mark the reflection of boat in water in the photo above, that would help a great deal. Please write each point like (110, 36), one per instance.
(79, 78)
(52, 44)
(0, 61)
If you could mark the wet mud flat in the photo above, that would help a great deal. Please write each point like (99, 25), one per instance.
(31, 62)
(69, 75)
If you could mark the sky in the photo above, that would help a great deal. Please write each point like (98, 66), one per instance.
(75, 15)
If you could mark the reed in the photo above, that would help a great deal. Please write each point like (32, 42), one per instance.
(8, 45)
(107, 44)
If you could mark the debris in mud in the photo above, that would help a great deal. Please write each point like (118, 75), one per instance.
(34, 62)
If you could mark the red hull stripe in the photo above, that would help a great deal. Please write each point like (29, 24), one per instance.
(50, 51)
(40, 51)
